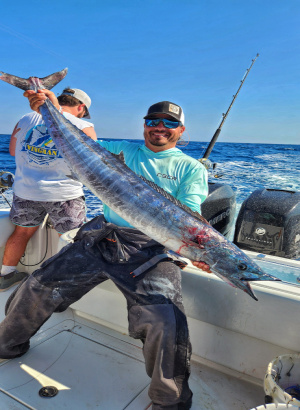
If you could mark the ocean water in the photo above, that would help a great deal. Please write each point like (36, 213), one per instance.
(246, 167)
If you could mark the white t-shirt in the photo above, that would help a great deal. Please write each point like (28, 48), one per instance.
(41, 172)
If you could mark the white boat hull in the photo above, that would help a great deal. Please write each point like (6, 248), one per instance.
(86, 353)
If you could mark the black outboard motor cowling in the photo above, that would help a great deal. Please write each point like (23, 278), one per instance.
(269, 222)
(219, 207)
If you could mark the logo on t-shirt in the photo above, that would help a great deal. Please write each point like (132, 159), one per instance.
(166, 176)
(39, 146)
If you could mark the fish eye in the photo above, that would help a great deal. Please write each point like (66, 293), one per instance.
(242, 266)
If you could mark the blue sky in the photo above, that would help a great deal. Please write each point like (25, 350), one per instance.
(129, 54)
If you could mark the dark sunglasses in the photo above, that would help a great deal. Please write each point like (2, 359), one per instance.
(167, 123)
(85, 111)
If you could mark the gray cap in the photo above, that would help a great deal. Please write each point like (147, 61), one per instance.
(166, 107)
(83, 97)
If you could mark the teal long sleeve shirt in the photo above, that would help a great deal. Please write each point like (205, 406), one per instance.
(177, 173)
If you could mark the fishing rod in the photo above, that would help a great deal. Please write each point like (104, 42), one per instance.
(217, 133)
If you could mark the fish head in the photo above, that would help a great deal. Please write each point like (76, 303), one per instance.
(237, 269)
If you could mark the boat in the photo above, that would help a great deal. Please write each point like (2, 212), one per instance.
(268, 220)
(83, 358)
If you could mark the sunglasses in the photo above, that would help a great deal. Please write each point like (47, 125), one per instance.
(167, 123)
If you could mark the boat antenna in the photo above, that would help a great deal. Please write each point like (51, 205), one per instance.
(217, 133)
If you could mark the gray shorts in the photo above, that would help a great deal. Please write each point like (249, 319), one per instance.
(64, 215)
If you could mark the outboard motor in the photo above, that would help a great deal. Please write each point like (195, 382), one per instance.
(6, 181)
(269, 222)
(219, 207)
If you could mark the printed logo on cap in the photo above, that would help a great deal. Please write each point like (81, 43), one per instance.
(174, 108)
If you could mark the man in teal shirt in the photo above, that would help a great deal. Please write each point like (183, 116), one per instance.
(112, 249)
(159, 161)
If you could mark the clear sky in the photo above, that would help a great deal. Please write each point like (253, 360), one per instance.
(130, 54)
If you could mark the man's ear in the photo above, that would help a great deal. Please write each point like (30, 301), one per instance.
(80, 108)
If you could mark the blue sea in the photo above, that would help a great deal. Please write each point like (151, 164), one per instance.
(246, 167)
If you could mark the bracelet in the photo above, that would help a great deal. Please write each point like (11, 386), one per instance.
(60, 109)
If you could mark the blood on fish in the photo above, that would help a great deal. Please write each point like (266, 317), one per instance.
(192, 230)
(185, 245)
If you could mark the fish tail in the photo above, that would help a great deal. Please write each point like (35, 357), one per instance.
(34, 83)
(51, 80)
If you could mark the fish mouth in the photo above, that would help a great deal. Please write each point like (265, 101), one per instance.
(247, 289)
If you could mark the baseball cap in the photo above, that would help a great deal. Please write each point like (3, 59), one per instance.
(81, 96)
(166, 107)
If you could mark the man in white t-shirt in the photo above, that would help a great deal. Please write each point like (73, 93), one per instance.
(42, 185)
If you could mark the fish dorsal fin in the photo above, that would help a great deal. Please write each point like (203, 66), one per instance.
(120, 156)
(174, 200)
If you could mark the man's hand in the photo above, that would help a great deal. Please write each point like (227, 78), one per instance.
(202, 265)
(38, 99)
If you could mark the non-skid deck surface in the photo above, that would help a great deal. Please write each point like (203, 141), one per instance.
(94, 367)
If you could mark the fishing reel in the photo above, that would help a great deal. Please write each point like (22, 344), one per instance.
(207, 163)
(210, 166)
(6, 180)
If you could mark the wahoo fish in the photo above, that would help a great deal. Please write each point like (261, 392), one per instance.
(142, 203)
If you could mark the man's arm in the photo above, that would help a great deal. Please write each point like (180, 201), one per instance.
(193, 188)
(13, 140)
(36, 99)
(90, 132)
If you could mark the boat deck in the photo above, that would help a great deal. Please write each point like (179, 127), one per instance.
(93, 366)
(86, 354)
